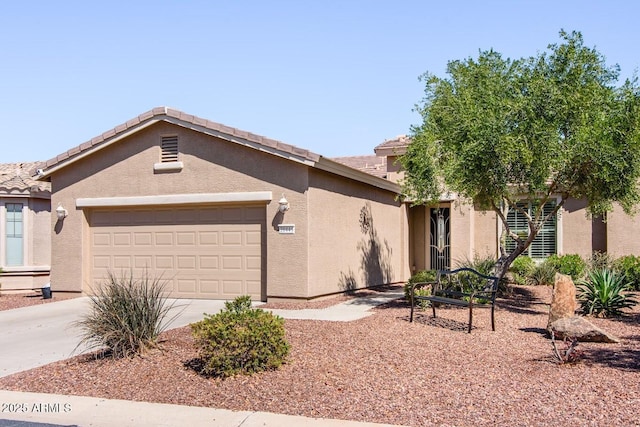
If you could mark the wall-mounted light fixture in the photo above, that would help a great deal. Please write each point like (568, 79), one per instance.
(61, 212)
(283, 204)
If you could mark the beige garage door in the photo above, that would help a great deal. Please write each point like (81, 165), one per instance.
(212, 252)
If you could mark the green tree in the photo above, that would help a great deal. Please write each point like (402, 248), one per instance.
(497, 131)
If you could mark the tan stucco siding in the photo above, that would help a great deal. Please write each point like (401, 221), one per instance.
(578, 234)
(623, 233)
(210, 165)
(357, 235)
(485, 235)
(462, 232)
(41, 232)
(419, 238)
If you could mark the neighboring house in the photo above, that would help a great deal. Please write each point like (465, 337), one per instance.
(220, 212)
(25, 237)
(454, 230)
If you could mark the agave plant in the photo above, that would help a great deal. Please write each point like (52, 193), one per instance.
(603, 293)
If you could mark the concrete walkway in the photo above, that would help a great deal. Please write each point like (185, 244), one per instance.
(38, 335)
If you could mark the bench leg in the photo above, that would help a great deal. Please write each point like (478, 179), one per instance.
(470, 317)
(411, 316)
(433, 307)
(493, 322)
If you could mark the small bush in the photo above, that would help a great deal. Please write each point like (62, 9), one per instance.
(420, 276)
(126, 315)
(542, 274)
(483, 264)
(629, 266)
(571, 265)
(240, 339)
(521, 268)
(602, 293)
(600, 261)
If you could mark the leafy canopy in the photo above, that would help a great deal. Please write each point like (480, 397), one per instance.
(554, 125)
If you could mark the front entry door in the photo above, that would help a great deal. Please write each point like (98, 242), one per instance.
(440, 255)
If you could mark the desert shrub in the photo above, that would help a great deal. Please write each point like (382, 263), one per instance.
(603, 293)
(520, 269)
(571, 265)
(629, 266)
(483, 264)
(542, 274)
(569, 354)
(240, 339)
(600, 261)
(126, 315)
(420, 276)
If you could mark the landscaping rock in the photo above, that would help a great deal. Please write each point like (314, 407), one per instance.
(563, 299)
(581, 329)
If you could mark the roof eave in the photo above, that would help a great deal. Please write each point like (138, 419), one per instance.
(334, 167)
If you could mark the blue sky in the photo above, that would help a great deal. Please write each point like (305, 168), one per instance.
(335, 77)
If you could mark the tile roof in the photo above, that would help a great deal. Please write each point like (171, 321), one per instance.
(18, 178)
(372, 164)
(187, 120)
(398, 144)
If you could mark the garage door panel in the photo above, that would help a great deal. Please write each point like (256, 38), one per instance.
(187, 262)
(253, 263)
(209, 262)
(209, 287)
(143, 261)
(101, 262)
(184, 238)
(143, 238)
(164, 262)
(187, 286)
(164, 238)
(122, 239)
(253, 287)
(202, 253)
(253, 238)
(102, 239)
(231, 238)
(232, 287)
(122, 262)
(208, 238)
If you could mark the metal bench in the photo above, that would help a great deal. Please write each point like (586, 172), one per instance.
(463, 287)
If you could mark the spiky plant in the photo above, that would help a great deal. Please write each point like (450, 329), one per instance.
(603, 293)
(126, 315)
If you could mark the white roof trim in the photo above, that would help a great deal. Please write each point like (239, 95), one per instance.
(175, 199)
(351, 173)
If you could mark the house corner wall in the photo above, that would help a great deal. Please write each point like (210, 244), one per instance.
(358, 236)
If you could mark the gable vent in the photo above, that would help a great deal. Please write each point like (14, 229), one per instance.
(169, 149)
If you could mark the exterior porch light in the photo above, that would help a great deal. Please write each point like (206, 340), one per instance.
(283, 204)
(61, 212)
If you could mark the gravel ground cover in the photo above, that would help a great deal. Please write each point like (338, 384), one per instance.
(384, 369)
(11, 301)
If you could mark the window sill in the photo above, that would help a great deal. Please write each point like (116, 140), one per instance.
(168, 167)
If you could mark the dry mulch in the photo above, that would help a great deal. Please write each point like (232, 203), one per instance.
(19, 300)
(11, 301)
(385, 369)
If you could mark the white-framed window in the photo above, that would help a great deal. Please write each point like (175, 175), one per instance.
(14, 234)
(546, 242)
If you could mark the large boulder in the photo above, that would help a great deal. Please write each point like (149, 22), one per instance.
(581, 329)
(563, 300)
